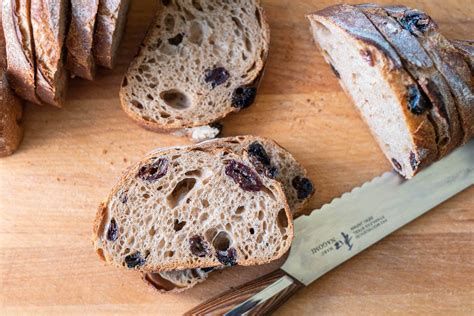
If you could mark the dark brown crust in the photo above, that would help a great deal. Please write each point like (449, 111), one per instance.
(466, 48)
(132, 171)
(177, 127)
(419, 65)
(80, 61)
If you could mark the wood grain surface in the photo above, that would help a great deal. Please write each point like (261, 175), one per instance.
(71, 157)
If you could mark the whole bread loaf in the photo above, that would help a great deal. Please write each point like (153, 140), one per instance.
(21, 69)
(269, 159)
(80, 59)
(187, 208)
(200, 61)
(371, 72)
(49, 21)
(11, 109)
(111, 21)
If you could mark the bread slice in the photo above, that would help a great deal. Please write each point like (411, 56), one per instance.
(269, 159)
(466, 48)
(443, 113)
(80, 60)
(372, 73)
(20, 48)
(190, 208)
(48, 20)
(447, 59)
(200, 61)
(11, 109)
(111, 21)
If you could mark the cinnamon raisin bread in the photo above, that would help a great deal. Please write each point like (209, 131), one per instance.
(269, 159)
(371, 72)
(49, 19)
(449, 62)
(200, 61)
(443, 113)
(187, 208)
(111, 21)
(20, 51)
(80, 60)
(11, 109)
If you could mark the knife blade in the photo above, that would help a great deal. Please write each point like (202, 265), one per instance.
(345, 227)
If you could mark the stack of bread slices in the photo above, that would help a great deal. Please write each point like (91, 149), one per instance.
(412, 86)
(182, 212)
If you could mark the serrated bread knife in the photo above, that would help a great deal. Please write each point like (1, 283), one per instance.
(348, 225)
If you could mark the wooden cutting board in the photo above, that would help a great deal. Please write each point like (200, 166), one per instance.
(70, 158)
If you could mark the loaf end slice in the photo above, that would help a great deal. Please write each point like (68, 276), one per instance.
(190, 208)
(199, 62)
(80, 59)
(111, 21)
(372, 73)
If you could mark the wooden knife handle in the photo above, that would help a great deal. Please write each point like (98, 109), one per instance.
(257, 297)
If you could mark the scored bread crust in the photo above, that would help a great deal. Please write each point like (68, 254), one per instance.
(103, 217)
(419, 65)
(111, 21)
(11, 109)
(287, 170)
(48, 20)
(466, 48)
(355, 27)
(447, 59)
(202, 104)
(20, 48)
(80, 60)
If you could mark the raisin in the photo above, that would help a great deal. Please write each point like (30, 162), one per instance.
(134, 260)
(417, 102)
(260, 160)
(112, 232)
(334, 70)
(396, 164)
(368, 57)
(217, 76)
(415, 22)
(303, 186)
(245, 177)
(154, 171)
(413, 161)
(243, 97)
(176, 40)
(198, 246)
(227, 257)
(206, 270)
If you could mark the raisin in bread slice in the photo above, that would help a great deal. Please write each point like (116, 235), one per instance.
(443, 113)
(48, 20)
(466, 48)
(200, 61)
(11, 109)
(80, 60)
(372, 73)
(21, 71)
(269, 159)
(193, 208)
(447, 59)
(111, 21)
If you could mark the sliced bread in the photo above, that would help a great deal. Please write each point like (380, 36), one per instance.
(20, 50)
(111, 21)
(49, 22)
(443, 113)
(449, 62)
(200, 61)
(11, 109)
(187, 208)
(80, 60)
(372, 73)
(269, 159)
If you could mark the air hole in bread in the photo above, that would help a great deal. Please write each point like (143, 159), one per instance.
(175, 99)
(137, 104)
(259, 17)
(282, 219)
(240, 210)
(260, 215)
(180, 191)
(203, 217)
(248, 45)
(100, 252)
(169, 253)
(210, 233)
(124, 82)
(205, 203)
(196, 33)
(222, 241)
(164, 114)
(150, 97)
(251, 231)
(169, 23)
(152, 232)
(197, 5)
(177, 226)
(269, 193)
